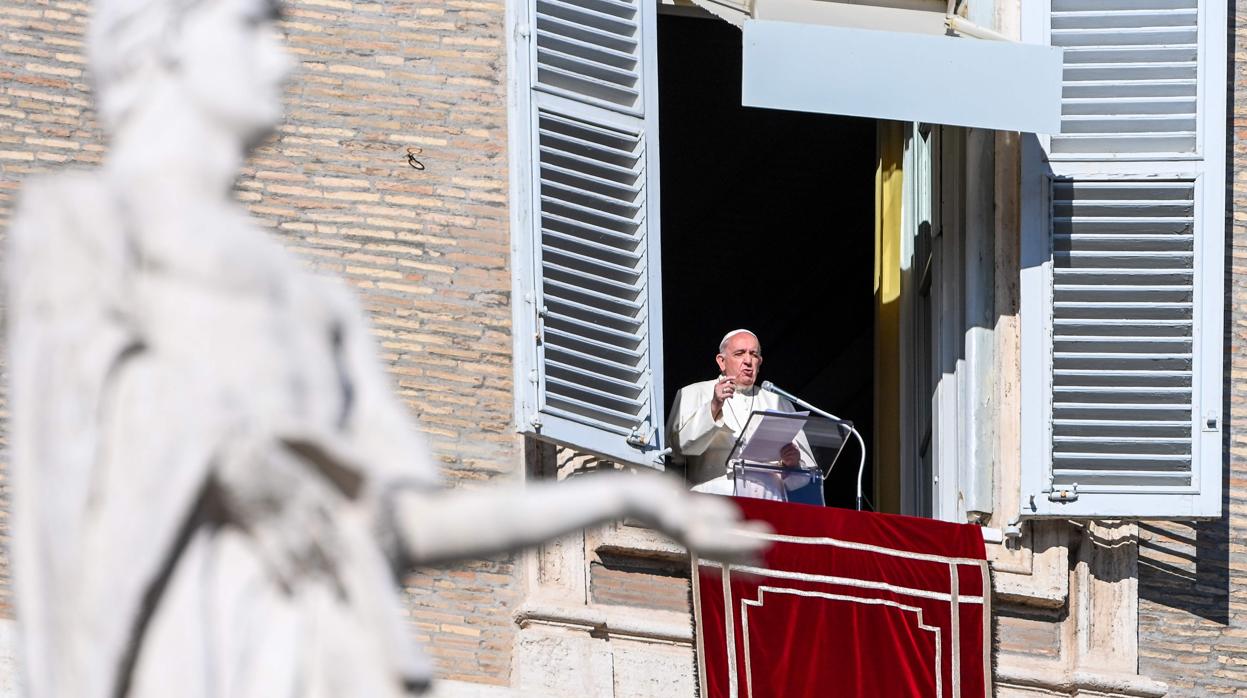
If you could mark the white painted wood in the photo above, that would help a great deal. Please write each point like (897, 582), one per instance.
(977, 475)
(859, 72)
(587, 266)
(949, 420)
(1122, 290)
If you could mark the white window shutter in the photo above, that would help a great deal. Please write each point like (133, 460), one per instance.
(585, 230)
(1122, 286)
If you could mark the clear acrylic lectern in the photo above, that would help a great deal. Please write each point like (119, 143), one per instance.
(753, 464)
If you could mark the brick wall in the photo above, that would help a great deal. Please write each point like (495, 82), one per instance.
(45, 122)
(427, 250)
(1193, 577)
(640, 582)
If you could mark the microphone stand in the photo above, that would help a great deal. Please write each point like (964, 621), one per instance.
(861, 466)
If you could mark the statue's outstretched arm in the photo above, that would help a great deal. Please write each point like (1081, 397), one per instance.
(431, 524)
(451, 525)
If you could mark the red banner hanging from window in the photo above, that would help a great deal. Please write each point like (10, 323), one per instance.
(848, 604)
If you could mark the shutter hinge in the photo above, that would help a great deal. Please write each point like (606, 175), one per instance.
(522, 31)
(1064, 495)
(639, 438)
(539, 323)
(538, 317)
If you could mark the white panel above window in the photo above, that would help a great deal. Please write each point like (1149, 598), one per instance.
(585, 265)
(900, 75)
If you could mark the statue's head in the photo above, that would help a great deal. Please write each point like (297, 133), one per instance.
(223, 58)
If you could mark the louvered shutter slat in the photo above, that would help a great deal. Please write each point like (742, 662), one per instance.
(604, 265)
(1120, 18)
(581, 279)
(604, 73)
(599, 210)
(598, 362)
(617, 328)
(622, 325)
(604, 254)
(619, 353)
(595, 327)
(569, 44)
(1141, 106)
(571, 227)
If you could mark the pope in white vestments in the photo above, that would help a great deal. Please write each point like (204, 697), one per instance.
(708, 417)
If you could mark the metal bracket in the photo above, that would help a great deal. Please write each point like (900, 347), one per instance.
(539, 323)
(1013, 529)
(1064, 496)
(1212, 421)
(639, 438)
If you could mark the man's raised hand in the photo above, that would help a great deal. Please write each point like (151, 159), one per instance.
(724, 388)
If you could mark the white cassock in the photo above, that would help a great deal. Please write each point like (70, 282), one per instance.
(704, 443)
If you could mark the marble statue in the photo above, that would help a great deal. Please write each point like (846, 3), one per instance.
(216, 492)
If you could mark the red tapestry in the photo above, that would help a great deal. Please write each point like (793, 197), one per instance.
(849, 604)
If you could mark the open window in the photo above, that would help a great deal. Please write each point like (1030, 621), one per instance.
(768, 223)
(829, 234)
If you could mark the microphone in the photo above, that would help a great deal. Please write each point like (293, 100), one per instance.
(770, 387)
(861, 466)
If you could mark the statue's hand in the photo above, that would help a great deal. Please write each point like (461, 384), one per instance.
(715, 530)
(710, 526)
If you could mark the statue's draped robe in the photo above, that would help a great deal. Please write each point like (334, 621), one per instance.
(204, 453)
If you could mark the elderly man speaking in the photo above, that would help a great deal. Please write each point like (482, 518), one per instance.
(707, 418)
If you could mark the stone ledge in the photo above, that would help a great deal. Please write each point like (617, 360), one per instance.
(464, 689)
(1044, 679)
(602, 621)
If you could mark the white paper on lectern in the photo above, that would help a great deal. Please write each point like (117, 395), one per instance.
(772, 432)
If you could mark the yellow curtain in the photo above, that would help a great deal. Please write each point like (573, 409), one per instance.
(887, 438)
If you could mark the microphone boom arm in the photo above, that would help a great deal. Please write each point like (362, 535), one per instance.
(861, 466)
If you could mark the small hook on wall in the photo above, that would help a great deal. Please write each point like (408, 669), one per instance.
(411, 158)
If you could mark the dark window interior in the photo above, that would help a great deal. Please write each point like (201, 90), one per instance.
(767, 223)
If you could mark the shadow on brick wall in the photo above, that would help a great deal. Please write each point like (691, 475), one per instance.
(1186, 566)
